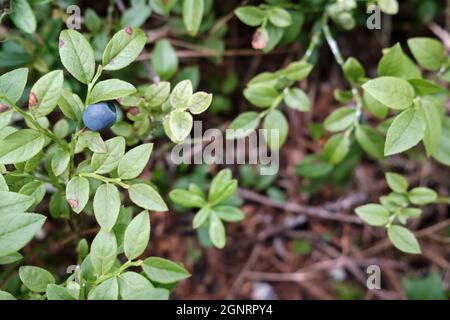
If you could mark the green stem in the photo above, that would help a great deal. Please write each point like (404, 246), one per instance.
(315, 39)
(117, 181)
(333, 45)
(119, 271)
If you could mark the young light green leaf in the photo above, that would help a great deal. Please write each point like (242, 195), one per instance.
(429, 52)
(23, 17)
(136, 15)
(219, 195)
(216, 231)
(56, 292)
(388, 6)
(243, 125)
(134, 161)
(77, 193)
(107, 290)
(10, 258)
(297, 100)
(341, 119)
(21, 146)
(157, 94)
(192, 15)
(370, 140)
(280, 17)
(131, 282)
(6, 296)
(110, 90)
(45, 93)
(180, 125)
(250, 15)
(395, 93)
(422, 196)
(276, 129)
(181, 94)
(406, 131)
(70, 105)
(124, 47)
(164, 59)
(146, 197)
(403, 239)
(432, 114)
(296, 71)
(396, 182)
(187, 199)
(229, 213)
(261, 96)
(396, 63)
(107, 206)
(17, 229)
(199, 102)
(60, 162)
(164, 271)
(149, 294)
(34, 189)
(336, 148)
(77, 55)
(12, 85)
(137, 236)
(353, 71)
(93, 141)
(36, 279)
(3, 184)
(201, 217)
(375, 107)
(11, 202)
(373, 214)
(425, 87)
(103, 252)
(106, 162)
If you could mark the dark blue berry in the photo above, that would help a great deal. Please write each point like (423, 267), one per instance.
(100, 116)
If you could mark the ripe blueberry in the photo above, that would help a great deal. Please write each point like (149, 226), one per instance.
(100, 116)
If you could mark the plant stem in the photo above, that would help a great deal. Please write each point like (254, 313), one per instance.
(117, 181)
(122, 268)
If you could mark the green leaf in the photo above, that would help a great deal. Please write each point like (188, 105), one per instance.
(164, 271)
(5, 120)
(106, 162)
(107, 205)
(201, 217)
(396, 63)
(187, 199)
(157, 94)
(77, 193)
(375, 107)
(11, 202)
(77, 55)
(107, 290)
(403, 239)
(181, 94)
(34, 189)
(406, 131)
(180, 125)
(10, 258)
(12, 85)
(110, 90)
(199, 102)
(353, 71)
(45, 93)
(341, 119)
(432, 114)
(137, 236)
(60, 162)
(216, 231)
(297, 100)
(56, 292)
(3, 184)
(422, 196)
(442, 153)
(243, 125)
(296, 71)
(280, 17)
(250, 15)
(336, 148)
(396, 182)
(424, 87)
(93, 22)
(93, 141)
(229, 213)
(192, 15)
(36, 279)
(313, 167)
(388, 6)
(406, 213)
(373, 214)
(164, 59)
(395, 93)
(131, 283)
(428, 52)
(6, 296)
(146, 197)
(261, 96)
(136, 15)
(17, 229)
(23, 17)
(276, 129)
(123, 48)
(21, 146)
(370, 140)
(149, 294)
(71, 105)
(134, 161)
(103, 252)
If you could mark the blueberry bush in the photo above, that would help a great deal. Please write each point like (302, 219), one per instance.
(93, 97)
